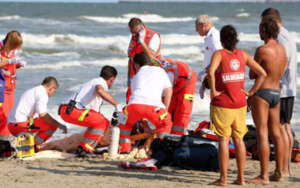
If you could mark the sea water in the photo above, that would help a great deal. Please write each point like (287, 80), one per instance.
(73, 41)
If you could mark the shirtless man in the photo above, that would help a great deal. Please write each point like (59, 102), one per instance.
(266, 101)
(288, 88)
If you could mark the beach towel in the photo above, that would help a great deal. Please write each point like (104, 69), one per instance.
(143, 164)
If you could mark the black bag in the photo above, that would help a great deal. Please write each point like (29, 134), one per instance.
(188, 152)
(296, 144)
(197, 139)
(195, 152)
(168, 143)
(5, 149)
(255, 154)
(250, 138)
(163, 150)
(196, 156)
(163, 158)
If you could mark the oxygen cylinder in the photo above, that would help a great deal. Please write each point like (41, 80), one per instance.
(114, 136)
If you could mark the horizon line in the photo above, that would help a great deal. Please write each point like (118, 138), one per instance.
(151, 1)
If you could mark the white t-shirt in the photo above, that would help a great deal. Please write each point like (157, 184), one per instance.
(154, 43)
(212, 43)
(288, 82)
(87, 96)
(147, 86)
(31, 103)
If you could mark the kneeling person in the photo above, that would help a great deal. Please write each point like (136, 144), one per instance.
(86, 102)
(147, 87)
(183, 79)
(34, 101)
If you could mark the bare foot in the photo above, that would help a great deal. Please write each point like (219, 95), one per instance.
(218, 183)
(259, 180)
(276, 177)
(239, 182)
(284, 174)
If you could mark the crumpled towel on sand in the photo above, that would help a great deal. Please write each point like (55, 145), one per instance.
(136, 153)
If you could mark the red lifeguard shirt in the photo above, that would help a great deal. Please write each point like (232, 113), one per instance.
(231, 80)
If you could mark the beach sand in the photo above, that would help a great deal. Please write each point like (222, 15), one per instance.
(99, 173)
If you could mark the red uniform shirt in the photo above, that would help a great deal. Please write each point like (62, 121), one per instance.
(135, 48)
(231, 80)
(9, 71)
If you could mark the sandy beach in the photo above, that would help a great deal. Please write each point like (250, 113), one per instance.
(77, 172)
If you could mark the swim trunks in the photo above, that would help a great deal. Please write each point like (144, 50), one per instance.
(227, 122)
(271, 96)
(286, 109)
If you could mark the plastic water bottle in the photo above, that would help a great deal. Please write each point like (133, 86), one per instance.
(114, 136)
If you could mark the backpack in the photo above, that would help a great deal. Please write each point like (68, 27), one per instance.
(295, 155)
(202, 125)
(296, 151)
(203, 130)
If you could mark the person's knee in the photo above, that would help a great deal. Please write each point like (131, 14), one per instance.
(223, 139)
(101, 124)
(263, 135)
(277, 137)
(238, 142)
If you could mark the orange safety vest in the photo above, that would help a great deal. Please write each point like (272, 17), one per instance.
(135, 48)
(9, 71)
(182, 72)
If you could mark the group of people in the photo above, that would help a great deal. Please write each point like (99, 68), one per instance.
(271, 98)
(162, 91)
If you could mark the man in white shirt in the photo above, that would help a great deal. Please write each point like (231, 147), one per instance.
(142, 40)
(22, 117)
(288, 87)
(82, 107)
(204, 27)
(145, 102)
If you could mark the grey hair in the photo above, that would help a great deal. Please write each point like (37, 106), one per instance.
(204, 19)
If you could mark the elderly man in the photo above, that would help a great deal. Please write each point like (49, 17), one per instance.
(204, 26)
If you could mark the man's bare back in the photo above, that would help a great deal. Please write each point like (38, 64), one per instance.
(272, 57)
